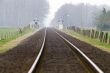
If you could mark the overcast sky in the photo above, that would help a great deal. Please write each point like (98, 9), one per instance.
(25, 10)
(18, 13)
(56, 4)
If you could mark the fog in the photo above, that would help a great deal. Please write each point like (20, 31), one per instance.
(18, 13)
(80, 15)
(14, 13)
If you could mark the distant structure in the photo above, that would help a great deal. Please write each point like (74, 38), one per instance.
(34, 24)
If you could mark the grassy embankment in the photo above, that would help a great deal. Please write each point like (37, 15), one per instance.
(5, 31)
(94, 42)
(13, 40)
(11, 37)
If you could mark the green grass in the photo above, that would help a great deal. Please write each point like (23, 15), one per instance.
(6, 30)
(109, 34)
(86, 39)
(9, 45)
(13, 40)
(2, 42)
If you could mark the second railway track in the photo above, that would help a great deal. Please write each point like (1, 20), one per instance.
(57, 56)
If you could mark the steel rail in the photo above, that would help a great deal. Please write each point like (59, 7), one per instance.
(32, 69)
(91, 66)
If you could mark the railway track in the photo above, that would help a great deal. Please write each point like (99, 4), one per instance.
(58, 55)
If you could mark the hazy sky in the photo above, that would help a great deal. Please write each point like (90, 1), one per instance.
(14, 11)
(20, 13)
(56, 4)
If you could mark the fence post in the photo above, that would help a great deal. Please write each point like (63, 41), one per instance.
(0, 36)
(105, 37)
(109, 41)
(101, 36)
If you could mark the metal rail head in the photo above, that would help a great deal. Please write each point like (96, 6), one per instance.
(92, 65)
(32, 69)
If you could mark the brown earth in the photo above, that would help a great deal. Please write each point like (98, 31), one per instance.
(20, 58)
(58, 57)
(101, 58)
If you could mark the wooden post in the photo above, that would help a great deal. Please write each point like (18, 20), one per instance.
(0, 36)
(89, 33)
(92, 33)
(101, 36)
(106, 37)
(97, 34)
(109, 41)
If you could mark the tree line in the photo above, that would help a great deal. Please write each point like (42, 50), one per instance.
(84, 16)
(103, 20)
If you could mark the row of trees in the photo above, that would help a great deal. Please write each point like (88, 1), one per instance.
(84, 16)
(81, 15)
(103, 20)
(14, 13)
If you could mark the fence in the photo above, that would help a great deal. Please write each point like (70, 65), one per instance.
(11, 35)
(94, 34)
(5, 36)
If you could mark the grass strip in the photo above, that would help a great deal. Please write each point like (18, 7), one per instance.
(94, 42)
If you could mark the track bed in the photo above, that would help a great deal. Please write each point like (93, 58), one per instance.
(58, 57)
(101, 58)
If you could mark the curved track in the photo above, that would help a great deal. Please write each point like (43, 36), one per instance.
(58, 55)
